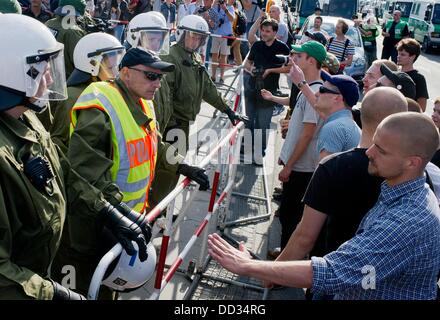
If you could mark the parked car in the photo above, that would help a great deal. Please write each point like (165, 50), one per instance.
(359, 65)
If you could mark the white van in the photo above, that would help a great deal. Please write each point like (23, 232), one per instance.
(424, 23)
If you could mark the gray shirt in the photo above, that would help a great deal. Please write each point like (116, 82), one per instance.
(303, 113)
(283, 33)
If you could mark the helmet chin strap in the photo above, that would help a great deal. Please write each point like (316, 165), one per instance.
(37, 106)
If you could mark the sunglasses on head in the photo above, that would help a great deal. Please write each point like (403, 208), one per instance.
(152, 76)
(323, 89)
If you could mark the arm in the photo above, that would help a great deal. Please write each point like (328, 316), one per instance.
(304, 237)
(28, 282)
(293, 273)
(348, 60)
(297, 75)
(229, 12)
(267, 95)
(252, 35)
(283, 69)
(422, 102)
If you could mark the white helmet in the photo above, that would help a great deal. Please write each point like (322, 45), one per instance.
(129, 272)
(93, 53)
(192, 26)
(32, 64)
(149, 30)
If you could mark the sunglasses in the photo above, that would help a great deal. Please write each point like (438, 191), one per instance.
(379, 84)
(323, 89)
(152, 76)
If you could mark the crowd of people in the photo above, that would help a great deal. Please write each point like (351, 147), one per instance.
(95, 127)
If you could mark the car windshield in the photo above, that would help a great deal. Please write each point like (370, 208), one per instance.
(352, 33)
(340, 8)
(404, 7)
(436, 14)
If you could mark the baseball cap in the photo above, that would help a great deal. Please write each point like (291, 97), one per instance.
(332, 63)
(401, 80)
(313, 49)
(346, 85)
(78, 5)
(136, 56)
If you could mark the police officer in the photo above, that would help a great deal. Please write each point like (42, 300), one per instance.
(149, 31)
(393, 31)
(96, 58)
(189, 83)
(115, 146)
(66, 30)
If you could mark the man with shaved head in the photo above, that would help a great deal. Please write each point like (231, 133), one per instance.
(395, 253)
(341, 191)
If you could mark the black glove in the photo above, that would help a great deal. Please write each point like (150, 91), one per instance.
(194, 173)
(233, 117)
(125, 231)
(62, 293)
(136, 217)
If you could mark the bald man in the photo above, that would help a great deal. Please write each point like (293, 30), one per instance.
(341, 191)
(395, 253)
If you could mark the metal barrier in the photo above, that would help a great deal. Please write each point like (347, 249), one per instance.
(231, 143)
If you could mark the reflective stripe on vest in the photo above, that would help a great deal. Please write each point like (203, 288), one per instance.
(134, 148)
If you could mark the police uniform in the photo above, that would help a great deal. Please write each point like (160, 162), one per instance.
(67, 36)
(31, 220)
(115, 146)
(60, 127)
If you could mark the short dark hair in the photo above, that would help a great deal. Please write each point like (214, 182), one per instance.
(270, 22)
(411, 46)
(344, 26)
(319, 18)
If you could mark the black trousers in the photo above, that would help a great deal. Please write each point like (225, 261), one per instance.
(292, 206)
(389, 51)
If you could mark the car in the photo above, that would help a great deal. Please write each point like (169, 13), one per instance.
(359, 65)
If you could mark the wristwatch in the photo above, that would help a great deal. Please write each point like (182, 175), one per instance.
(301, 83)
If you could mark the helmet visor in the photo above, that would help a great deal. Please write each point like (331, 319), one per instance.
(193, 40)
(157, 41)
(45, 76)
(110, 63)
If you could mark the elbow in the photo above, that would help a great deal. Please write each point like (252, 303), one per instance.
(303, 241)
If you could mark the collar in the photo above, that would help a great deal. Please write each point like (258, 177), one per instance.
(344, 113)
(390, 193)
(19, 128)
(134, 104)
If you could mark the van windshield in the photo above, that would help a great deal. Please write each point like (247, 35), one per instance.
(404, 7)
(436, 14)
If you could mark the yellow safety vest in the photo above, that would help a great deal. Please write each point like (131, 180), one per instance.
(134, 152)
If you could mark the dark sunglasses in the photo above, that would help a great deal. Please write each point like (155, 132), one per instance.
(152, 76)
(378, 84)
(323, 89)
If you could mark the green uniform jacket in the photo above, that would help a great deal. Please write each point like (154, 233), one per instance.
(31, 221)
(162, 105)
(90, 154)
(69, 37)
(60, 129)
(189, 84)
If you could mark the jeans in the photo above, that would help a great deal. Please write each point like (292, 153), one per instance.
(259, 112)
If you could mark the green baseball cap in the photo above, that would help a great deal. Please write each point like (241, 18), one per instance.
(313, 49)
(10, 6)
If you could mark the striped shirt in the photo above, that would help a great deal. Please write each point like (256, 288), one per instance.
(395, 254)
(339, 133)
(336, 47)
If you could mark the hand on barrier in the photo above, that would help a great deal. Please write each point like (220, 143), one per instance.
(125, 231)
(194, 173)
(62, 293)
(233, 117)
(136, 217)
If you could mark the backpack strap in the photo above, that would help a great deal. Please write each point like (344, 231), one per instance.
(345, 48)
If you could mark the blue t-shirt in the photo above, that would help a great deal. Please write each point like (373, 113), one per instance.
(225, 28)
(339, 133)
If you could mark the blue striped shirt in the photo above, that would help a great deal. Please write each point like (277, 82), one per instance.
(395, 253)
(337, 48)
(339, 133)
